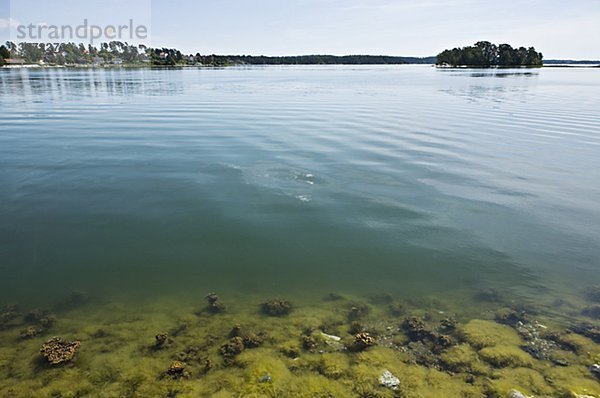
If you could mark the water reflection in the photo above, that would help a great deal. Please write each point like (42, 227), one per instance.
(499, 73)
(58, 84)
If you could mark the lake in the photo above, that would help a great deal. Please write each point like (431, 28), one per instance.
(145, 189)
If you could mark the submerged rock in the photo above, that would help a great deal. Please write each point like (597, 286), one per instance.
(362, 341)
(417, 329)
(31, 332)
(387, 379)
(588, 330)
(214, 304)
(177, 370)
(161, 340)
(231, 349)
(253, 340)
(265, 379)
(308, 342)
(250, 338)
(7, 314)
(595, 369)
(358, 311)
(276, 307)
(517, 394)
(510, 316)
(536, 345)
(448, 324)
(195, 355)
(43, 318)
(57, 350)
(330, 337)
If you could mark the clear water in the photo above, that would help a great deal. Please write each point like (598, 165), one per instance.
(407, 190)
(404, 179)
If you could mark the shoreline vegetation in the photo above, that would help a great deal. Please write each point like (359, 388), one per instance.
(123, 54)
(117, 54)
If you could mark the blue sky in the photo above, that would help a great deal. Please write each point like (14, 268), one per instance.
(560, 29)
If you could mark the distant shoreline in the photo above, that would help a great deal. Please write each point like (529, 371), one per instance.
(143, 66)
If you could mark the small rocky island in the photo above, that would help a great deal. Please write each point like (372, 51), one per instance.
(484, 54)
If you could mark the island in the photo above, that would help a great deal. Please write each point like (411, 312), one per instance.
(484, 54)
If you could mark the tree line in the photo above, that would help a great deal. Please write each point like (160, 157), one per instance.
(482, 54)
(485, 54)
(116, 52)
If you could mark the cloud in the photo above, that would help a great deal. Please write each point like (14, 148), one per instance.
(7, 23)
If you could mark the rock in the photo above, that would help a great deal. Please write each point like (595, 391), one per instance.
(587, 330)
(518, 394)
(44, 318)
(31, 332)
(387, 379)
(214, 304)
(57, 350)
(308, 342)
(231, 349)
(417, 329)
(330, 337)
(176, 370)
(535, 344)
(265, 379)
(510, 316)
(357, 311)
(161, 340)
(595, 369)
(276, 307)
(253, 340)
(362, 341)
(7, 314)
(448, 324)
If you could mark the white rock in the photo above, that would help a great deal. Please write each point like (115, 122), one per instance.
(518, 394)
(387, 379)
(331, 337)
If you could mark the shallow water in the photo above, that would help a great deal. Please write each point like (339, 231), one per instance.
(158, 186)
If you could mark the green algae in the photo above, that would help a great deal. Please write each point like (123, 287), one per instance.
(118, 356)
(463, 359)
(527, 381)
(481, 333)
(506, 356)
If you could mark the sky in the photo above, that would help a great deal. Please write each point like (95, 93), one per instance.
(559, 29)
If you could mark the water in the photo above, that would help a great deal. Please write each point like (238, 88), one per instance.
(166, 184)
(388, 178)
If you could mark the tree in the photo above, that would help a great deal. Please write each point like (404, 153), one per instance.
(4, 54)
(485, 54)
